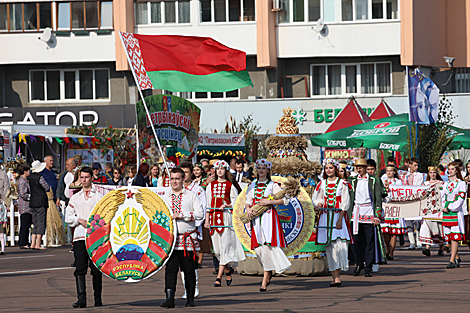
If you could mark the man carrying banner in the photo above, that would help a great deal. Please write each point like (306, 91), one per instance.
(366, 208)
(187, 209)
(76, 215)
(454, 204)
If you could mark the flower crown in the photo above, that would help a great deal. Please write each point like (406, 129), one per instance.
(264, 162)
(223, 164)
(330, 161)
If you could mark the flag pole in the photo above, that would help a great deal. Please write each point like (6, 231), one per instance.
(145, 106)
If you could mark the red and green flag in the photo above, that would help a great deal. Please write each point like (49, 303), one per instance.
(185, 63)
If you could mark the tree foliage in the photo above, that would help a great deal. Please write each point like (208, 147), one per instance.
(248, 127)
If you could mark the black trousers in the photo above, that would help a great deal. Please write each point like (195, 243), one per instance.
(187, 265)
(26, 221)
(364, 246)
(83, 261)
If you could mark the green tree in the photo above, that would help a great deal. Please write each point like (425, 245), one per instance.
(248, 127)
(434, 138)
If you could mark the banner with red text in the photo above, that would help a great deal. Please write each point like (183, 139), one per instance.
(412, 201)
(176, 122)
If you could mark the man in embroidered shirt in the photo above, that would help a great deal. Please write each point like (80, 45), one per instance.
(187, 209)
(192, 186)
(76, 215)
(414, 178)
(366, 209)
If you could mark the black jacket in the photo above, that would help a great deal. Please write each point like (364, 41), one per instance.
(140, 180)
(38, 194)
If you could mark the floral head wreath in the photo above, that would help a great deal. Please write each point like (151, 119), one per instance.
(264, 162)
(331, 161)
(222, 164)
(433, 169)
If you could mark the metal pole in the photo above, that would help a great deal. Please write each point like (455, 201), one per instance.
(146, 109)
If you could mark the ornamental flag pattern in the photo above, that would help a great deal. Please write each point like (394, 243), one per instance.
(134, 55)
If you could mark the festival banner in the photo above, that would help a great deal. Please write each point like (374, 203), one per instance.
(130, 232)
(176, 122)
(423, 96)
(412, 201)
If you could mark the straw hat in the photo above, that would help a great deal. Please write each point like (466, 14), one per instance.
(392, 167)
(360, 162)
(38, 167)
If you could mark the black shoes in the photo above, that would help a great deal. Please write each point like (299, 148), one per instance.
(190, 302)
(229, 282)
(368, 274)
(217, 280)
(357, 270)
(440, 253)
(451, 265)
(170, 299)
(426, 252)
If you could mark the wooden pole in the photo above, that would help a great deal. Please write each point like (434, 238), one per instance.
(254, 150)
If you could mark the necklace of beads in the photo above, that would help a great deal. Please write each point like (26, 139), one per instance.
(331, 193)
(259, 192)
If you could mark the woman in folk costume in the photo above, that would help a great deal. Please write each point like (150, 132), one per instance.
(221, 195)
(431, 232)
(392, 226)
(333, 226)
(454, 207)
(267, 236)
(164, 180)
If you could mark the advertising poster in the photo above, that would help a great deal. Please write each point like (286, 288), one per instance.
(176, 122)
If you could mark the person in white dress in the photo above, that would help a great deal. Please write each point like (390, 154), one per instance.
(414, 178)
(454, 207)
(331, 198)
(221, 195)
(267, 235)
(392, 226)
(431, 232)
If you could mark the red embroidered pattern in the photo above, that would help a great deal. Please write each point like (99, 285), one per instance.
(176, 202)
(366, 218)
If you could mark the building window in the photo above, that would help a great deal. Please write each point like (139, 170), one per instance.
(301, 11)
(234, 94)
(307, 10)
(221, 11)
(347, 79)
(164, 12)
(70, 85)
(84, 15)
(358, 10)
(30, 16)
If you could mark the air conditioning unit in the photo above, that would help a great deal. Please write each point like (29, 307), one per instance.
(277, 5)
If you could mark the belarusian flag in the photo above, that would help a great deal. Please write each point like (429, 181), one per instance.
(185, 63)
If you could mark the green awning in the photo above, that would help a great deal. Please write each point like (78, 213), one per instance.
(390, 133)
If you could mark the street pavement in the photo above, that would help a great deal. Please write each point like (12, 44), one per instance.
(43, 281)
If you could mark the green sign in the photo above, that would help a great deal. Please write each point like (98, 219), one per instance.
(176, 122)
